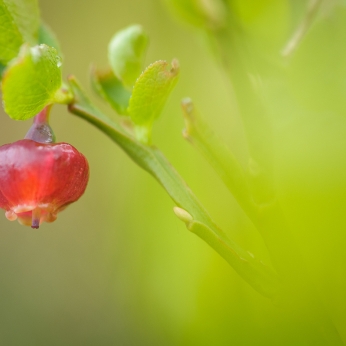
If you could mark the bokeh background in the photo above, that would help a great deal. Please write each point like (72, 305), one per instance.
(118, 268)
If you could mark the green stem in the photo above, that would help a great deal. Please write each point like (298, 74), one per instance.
(269, 217)
(260, 277)
(266, 217)
(201, 136)
(303, 27)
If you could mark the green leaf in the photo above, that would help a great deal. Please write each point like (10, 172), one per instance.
(48, 37)
(126, 53)
(109, 87)
(205, 14)
(150, 94)
(31, 81)
(2, 69)
(189, 10)
(19, 23)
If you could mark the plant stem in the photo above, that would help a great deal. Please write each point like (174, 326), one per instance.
(269, 218)
(40, 131)
(202, 137)
(259, 276)
(303, 27)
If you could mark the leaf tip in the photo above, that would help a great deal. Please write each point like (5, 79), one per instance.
(126, 52)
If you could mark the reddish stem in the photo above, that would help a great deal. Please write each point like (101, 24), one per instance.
(40, 131)
(43, 116)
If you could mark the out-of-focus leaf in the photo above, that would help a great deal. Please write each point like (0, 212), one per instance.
(109, 87)
(220, 157)
(150, 94)
(2, 69)
(31, 81)
(48, 37)
(210, 14)
(258, 18)
(198, 221)
(126, 53)
(189, 11)
(311, 80)
(19, 23)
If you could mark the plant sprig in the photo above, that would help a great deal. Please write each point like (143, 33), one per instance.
(261, 277)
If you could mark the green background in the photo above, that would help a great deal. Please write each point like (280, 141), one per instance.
(117, 267)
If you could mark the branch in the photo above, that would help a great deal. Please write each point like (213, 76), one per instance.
(260, 277)
(303, 27)
(200, 135)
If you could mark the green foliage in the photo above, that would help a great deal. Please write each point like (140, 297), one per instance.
(144, 100)
(261, 277)
(31, 81)
(251, 52)
(126, 53)
(220, 157)
(190, 11)
(109, 87)
(19, 23)
(48, 37)
(150, 94)
(2, 69)
(207, 14)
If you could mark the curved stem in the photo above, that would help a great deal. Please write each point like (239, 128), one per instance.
(252, 270)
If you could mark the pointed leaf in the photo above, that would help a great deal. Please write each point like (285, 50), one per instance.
(48, 37)
(19, 23)
(151, 92)
(31, 81)
(126, 53)
(110, 88)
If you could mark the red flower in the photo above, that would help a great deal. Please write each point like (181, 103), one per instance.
(38, 180)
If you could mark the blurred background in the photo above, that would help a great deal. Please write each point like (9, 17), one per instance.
(117, 267)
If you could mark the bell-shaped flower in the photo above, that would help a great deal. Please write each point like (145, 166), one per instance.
(40, 178)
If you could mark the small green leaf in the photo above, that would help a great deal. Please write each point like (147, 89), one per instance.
(19, 23)
(150, 94)
(2, 69)
(48, 37)
(109, 87)
(188, 10)
(31, 81)
(205, 14)
(126, 53)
